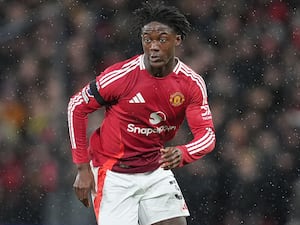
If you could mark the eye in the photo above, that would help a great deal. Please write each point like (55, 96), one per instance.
(162, 40)
(146, 40)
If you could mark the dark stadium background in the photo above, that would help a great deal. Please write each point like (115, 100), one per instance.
(246, 50)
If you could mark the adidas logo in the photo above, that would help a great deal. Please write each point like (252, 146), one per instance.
(138, 98)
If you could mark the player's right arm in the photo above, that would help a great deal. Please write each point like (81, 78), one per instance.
(80, 105)
(103, 91)
(84, 183)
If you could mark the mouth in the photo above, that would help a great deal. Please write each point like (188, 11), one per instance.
(155, 58)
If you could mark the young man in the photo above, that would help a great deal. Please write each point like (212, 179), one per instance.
(146, 98)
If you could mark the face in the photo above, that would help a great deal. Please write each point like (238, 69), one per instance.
(159, 42)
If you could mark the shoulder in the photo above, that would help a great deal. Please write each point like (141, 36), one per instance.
(194, 81)
(188, 73)
(128, 63)
(118, 71)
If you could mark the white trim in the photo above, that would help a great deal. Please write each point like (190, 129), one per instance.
(202, 143)
(117, 74)
(138, 98)
(75, 101)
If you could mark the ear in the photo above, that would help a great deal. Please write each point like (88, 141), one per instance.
(178, 40)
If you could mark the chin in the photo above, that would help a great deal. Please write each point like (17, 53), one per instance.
(157, 64)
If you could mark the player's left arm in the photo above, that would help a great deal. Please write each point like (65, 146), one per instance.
(200, 122)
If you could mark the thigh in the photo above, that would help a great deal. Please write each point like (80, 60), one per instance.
(114, 200)
(173, 221)
(163, 200)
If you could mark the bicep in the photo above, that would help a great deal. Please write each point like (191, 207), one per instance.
(199, 118)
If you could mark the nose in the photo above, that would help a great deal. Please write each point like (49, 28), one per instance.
(154, 46)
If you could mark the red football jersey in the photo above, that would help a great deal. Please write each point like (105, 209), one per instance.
(143, 113)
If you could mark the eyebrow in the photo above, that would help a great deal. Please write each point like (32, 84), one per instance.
(163, 33)
(159, 31)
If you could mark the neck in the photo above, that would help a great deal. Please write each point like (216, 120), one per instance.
(161, 71)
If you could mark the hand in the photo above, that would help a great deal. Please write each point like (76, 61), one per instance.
(170, 157)
(84, 184)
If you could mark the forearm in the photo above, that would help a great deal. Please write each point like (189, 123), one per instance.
(198, 147)
(83, 166)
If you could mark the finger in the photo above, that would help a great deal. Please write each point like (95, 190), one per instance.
(86, 202)
(166, 166)
(83, 197)
(169, 165)
(171, 161)
(166, 154)
(81, 193)
(172, 156)
(166, 151)
(93, 186)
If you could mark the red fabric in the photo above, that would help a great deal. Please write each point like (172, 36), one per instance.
(148, 113)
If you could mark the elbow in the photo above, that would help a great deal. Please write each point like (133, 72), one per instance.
(212, 146)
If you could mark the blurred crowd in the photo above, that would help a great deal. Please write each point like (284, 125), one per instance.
(248, 52)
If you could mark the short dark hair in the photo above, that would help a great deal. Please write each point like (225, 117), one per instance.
(168, 15)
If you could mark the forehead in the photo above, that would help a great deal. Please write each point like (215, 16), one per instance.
(156, 27)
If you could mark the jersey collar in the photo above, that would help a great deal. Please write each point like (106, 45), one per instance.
(175, 69)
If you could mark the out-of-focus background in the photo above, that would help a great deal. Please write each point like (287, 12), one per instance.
(246, 50)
